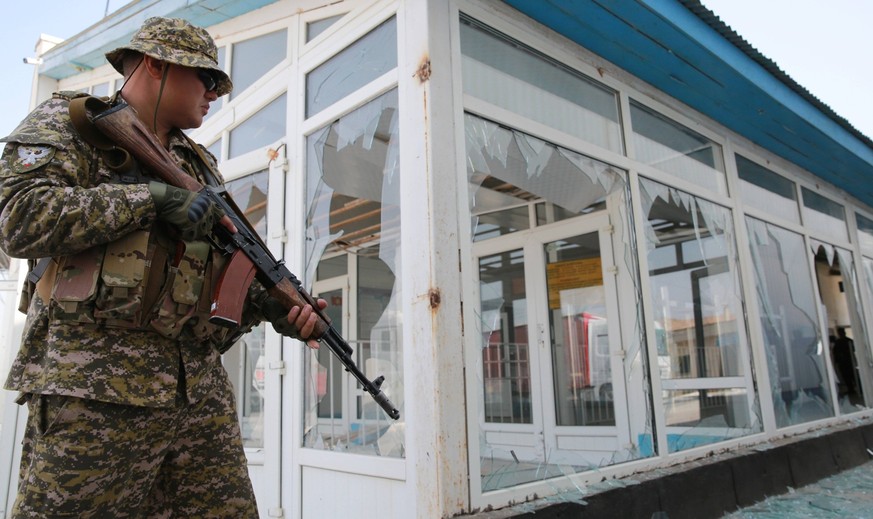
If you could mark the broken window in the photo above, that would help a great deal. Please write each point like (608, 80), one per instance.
(353, 244)
(509, 170)
(561, 384)
(696, 303)
(792, 340)
(838, 288)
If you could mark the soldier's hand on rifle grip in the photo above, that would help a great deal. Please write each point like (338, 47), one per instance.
(297, 323)
(192, 213)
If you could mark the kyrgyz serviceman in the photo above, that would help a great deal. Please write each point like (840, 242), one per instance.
(131, 413)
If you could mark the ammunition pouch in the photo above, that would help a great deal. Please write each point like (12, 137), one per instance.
(142, 282)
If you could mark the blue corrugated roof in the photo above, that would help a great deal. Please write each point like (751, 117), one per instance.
(683, 49)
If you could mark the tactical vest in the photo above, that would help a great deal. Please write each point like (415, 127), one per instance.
(146, 280)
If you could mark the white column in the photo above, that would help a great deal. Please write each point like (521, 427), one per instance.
(436, 446)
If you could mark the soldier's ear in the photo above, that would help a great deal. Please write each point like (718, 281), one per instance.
(154, 66)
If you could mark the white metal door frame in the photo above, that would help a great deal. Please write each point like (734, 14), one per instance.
(531, 243)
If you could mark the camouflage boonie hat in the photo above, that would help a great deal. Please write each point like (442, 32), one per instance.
(175, 41)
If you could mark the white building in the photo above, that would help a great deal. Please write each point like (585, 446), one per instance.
(579, 242)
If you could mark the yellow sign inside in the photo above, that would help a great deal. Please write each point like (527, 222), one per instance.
(567, 275)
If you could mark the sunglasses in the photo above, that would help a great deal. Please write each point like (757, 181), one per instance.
(208, 79)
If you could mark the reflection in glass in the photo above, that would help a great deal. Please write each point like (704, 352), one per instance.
(675, 149)
(261, 129)
(697, 311)
(245, 361)
(253, 58)
(789, 320)
(353, 214)
(324, 370)
(358, 64)
(505, 355)
(509, 74)
(548, 402)
(581, 360)
(700, 417)
(695, 295)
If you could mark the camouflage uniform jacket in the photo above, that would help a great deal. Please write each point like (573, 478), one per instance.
(58, 198)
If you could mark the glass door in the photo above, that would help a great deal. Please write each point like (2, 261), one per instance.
(553, 388)
(585, 420)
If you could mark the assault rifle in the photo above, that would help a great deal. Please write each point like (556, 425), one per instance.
(249, 256)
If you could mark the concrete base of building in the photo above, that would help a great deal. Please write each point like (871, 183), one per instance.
(719, 484)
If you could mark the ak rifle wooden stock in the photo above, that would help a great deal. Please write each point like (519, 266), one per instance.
(250, 257)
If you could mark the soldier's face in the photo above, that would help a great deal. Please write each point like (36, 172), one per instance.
(185, 101)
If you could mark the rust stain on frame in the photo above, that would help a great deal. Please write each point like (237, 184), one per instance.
(435, 298)
(423, 71)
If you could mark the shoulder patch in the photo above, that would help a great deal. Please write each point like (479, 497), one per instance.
(28, 157)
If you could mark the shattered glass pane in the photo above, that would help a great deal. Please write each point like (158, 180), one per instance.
(835, 271)
(353, 218)
(508, 169)
(789, 319)
(358, 64)
(703, 354)
(511, 75)
(559, 392)
(694, 292)
(845, 494)
(675, 149)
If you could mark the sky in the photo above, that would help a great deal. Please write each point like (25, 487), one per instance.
(824, 45)
(24, 21)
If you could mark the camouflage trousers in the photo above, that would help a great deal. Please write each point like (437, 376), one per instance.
(90, 459)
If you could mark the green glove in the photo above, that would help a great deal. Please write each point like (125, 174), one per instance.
(277, 314)
(193, 214)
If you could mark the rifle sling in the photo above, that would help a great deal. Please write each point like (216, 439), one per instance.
(117, 159)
